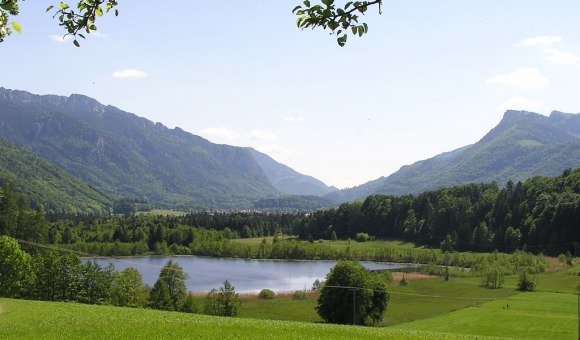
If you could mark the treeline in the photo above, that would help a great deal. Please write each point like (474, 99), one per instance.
(541, 215)
(41, 274)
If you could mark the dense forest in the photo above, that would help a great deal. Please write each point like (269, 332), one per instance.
(540, 215)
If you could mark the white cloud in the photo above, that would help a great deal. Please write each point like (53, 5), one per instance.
(60, 38)
(129, 73)
(561, 57)
(262, 135)
(543, 40)
(292, 119)
(220, 133)
(522, 78)
(519, 103)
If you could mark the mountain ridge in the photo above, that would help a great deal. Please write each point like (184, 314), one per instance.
(522, 145)
(125, 155)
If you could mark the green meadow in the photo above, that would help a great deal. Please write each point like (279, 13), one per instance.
(536, 315)
(23, 319)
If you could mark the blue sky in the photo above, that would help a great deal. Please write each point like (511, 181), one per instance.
(429, 77)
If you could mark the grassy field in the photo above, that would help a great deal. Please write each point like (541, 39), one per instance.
(21, 319)
(340, 244)
(537, 315)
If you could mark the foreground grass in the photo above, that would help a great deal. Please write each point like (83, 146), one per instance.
(21, 319)
(537, 315)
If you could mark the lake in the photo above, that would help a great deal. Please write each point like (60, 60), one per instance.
(246, 275)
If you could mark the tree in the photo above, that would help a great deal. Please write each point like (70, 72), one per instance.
(171, 283)
(127, 289)
(352, 295)
(82, 18)
(223, 302)
(14, 267)
(95, 284)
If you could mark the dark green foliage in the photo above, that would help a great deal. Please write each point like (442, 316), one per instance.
(159, 297)
(266, 294)
(541, 214)
(223, 302)
(189, 304)
(169, 290)
(352, 295)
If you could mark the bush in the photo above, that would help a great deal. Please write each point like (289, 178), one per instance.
(404, 282)
(492, 277)
(299, 295)
(526, 283)
(223, 302)
(362, 237)
(266, 294)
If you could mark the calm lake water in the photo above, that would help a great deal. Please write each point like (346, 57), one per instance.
(206, 273)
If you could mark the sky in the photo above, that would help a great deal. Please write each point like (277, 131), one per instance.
(429, 77)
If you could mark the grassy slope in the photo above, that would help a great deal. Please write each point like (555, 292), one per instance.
(543, 314)
(22, 319)
(537, 315)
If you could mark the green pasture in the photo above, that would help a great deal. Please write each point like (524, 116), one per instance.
(22, 319)
(535, 315)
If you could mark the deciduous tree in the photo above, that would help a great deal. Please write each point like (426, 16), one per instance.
(352, 295)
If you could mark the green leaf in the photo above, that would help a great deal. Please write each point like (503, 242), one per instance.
(17, 27)
(63, 5)
(8, 6)
(307, 3)
(99, 11)
(49, 8)
(76, 43)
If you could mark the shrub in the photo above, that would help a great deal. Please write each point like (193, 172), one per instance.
(492, 277)
(526, 283)
(299, 295)
(404, 282)
(266, 294)
(362, 237)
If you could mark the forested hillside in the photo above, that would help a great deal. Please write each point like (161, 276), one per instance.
(541, 214)
(41, 182)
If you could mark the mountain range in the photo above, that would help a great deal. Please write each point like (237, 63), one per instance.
(126, 156)
(109, 155)
(524, 144)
